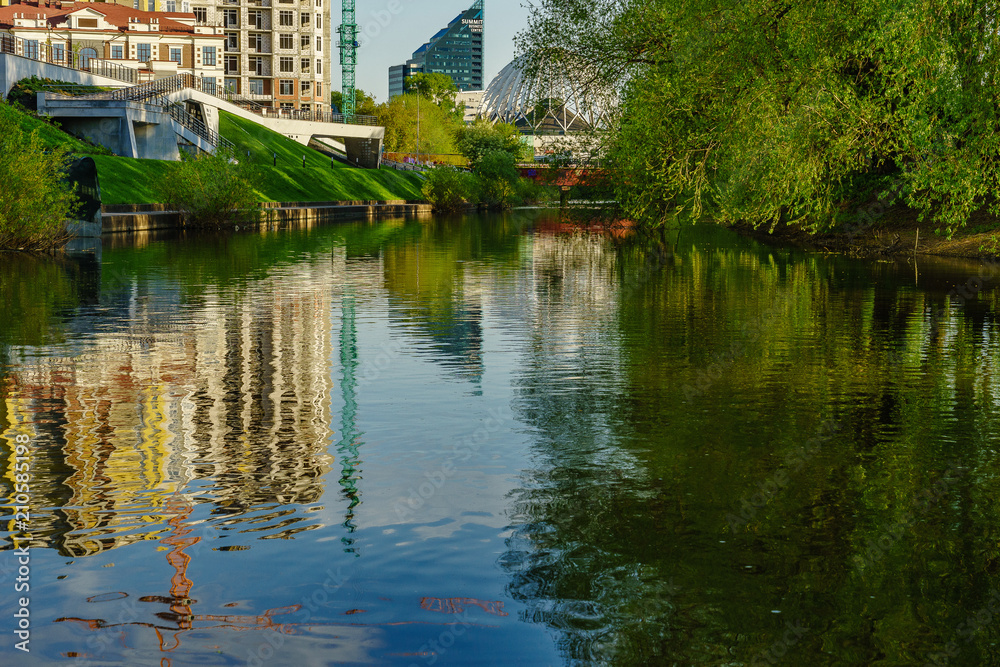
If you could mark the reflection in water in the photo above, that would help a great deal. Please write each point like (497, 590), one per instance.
(203, 415)
(349, 443)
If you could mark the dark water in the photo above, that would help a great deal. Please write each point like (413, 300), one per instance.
(488, 441)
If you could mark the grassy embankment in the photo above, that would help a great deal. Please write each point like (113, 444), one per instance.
(130, 181)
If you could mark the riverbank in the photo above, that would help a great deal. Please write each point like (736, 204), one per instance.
(896, 233)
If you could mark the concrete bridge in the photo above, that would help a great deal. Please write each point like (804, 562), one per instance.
(148, 120)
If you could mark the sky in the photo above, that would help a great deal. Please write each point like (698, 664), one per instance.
(391, 30)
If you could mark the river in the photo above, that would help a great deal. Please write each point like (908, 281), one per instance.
(494, 440)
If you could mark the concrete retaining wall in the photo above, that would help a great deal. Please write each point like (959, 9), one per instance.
(149, 217)
(14, 68)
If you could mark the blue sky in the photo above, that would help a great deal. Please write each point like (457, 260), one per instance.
(392, 29)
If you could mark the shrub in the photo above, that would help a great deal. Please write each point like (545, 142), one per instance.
(35, 201)
(448, 188)
(499, 181)
(213, 191)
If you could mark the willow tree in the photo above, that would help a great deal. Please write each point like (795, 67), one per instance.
(770, 111)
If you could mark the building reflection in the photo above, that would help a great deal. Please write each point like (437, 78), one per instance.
(233, 386)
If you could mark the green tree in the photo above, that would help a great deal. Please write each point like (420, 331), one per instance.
(406, 117)
(35, 201)
(439, 88)
(364, 104)
(772, 111)
(448, 188)
(499, 181)
(214, 190)
(480, 138)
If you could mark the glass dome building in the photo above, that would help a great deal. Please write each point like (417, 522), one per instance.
(558, 101)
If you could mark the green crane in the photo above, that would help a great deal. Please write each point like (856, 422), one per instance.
(348, 44)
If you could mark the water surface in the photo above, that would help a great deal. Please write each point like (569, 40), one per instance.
(492, 440)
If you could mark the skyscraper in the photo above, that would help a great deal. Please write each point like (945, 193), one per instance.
(456, 50)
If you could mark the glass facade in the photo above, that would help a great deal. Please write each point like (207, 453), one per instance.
(456, 50)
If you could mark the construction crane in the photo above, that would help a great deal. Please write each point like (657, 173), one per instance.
(348, 44)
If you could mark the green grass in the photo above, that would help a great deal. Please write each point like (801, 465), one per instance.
(130, 181)
(50, 135)
(318, 180)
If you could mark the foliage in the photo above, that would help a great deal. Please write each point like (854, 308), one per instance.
(364, 104)
(438, 88)
(448, 189)
(480, 138)
(498, 179)
(772, 112)
(213, 190)
(35, 201)
(406, 117)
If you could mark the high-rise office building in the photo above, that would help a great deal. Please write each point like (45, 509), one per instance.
(456, 50)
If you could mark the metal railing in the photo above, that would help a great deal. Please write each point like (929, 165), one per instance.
(179, 114)
(57, 55)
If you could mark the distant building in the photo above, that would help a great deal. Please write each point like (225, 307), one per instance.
(162, 43)
(275, 52)
(456, 50)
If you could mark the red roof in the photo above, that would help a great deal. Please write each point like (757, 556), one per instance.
(117, 15)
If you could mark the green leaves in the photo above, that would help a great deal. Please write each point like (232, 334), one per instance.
(213, 190)
(34, 201)
(769, 111)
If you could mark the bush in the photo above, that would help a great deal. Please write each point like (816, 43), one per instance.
(213, 191)
(499, 181)
(448, 188)
(35, 201)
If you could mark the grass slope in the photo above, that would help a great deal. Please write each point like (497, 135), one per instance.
(318, 180)
(130, 181)
(50, 135)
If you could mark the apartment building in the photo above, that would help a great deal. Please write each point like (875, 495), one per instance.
(74, 33)
(276, 52)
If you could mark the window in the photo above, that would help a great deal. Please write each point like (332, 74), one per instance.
(286, 65)
(171, 5)
(287, 106)
(231, 85)
(256, 66)
(319, 66)
(143, 53)
(306, 41)
(175, 54)
(232, 64)
(286, 18)
(201, 14)
(186, 7)
(307, 108)
(305, 88)
(232, 42)
(59, 52)
(151, 6)
(86, 23)
(208, 55)
(304, 65)
(305, 19)
(256, 19)
(319, 89)
(319, 3)
(319, 43)
(257, 42)
(256, 86)
(319, 21)
(135, 4)
(31, 49)
(286, 87)
(231, 18)
(286, 41)
(88, 54)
